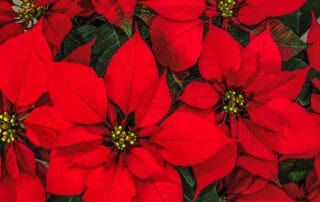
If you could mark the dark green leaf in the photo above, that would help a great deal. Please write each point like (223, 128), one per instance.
(109, 39)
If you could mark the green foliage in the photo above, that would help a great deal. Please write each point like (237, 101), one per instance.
(108, 40)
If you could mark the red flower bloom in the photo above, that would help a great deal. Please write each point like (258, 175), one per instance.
(258, 113)
(307, 191)
(23, 81)
(114, 154)
(313, 38)
(19, 16)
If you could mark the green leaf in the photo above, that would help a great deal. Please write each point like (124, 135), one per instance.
(297, 176)
(293, 64)
(294, 170)
(209, 194)
(186, 173)
(109, 39)
(55, 198)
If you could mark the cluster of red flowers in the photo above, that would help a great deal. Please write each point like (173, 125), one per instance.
(66, 131)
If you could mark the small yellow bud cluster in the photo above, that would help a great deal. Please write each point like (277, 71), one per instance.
(226, 7)
(121, 138)
(233, 102)
(223, 199)
(29, 11)
(7, 125)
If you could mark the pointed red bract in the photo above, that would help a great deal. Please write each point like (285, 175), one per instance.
(109, 184)
(163, 187)
(216, 167)
(257, 10)
(43, 125)
(17, 75)
(143, 164)
(78, 101)
(176, 45)
(154, 103)
(200, 95)
(220, 55)
(188, 145)
(313, 38)
(130, 71)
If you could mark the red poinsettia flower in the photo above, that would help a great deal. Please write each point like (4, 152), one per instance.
(306, 191)
(118, 150)
(17, 17)
(313, 38)
(257, 112)
(243, 186)
(23, 118)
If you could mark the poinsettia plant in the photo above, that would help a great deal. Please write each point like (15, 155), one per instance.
(171, 101)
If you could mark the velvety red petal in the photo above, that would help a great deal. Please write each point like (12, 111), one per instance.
(9, 31)
(78, 93)
(43, 125)
(252, 142)
(293, 119)
(29, 188)
(188, 139)
(219, 57)
(269, 193)
(257, 10)
(263, 168)
(285, 84)
(200, 95)
(164, 187)
(118, 12)
(182, 10)
(266, 52)
(292, 190)
(154, 103)
(54, 32)
(23, 79)
(313, 39)
(109, 184)
(143, 164)
(62, 181)
(74, 136)
(25, 158)
(176, 45)
(315, 102)
(8, 191)
(216, 167)
(12, 163)
(129, 66)
(81, 55)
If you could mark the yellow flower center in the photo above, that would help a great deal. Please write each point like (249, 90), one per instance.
(233, 102)
(7, 127)
(121, 139)
(226, 7)
(28, 11)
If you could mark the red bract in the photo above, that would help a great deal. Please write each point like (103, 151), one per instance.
(176, 45)
(258, 113)
(306, 191)
(19, 16)
(23, 82)
(117, 12)
(250, 12)
(313, 38)
(243, 186)
(118, 147)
